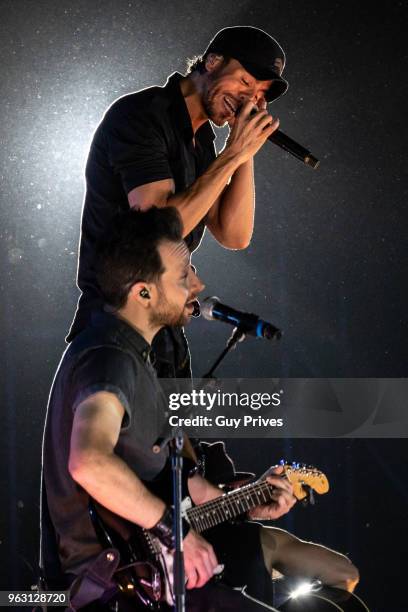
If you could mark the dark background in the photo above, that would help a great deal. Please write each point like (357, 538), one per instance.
(327, 262)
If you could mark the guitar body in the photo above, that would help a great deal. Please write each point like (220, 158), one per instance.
(140, 574)
(150, 585)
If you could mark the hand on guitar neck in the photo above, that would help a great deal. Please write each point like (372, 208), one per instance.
(282, 498)
(199, 557)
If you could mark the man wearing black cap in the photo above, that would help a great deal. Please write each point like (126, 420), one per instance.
(156, 147)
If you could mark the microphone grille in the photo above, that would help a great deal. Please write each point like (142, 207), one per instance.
(207, 307)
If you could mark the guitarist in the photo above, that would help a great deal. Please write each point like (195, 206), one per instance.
(105, 411)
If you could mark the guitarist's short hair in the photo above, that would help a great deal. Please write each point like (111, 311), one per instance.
(129, 252)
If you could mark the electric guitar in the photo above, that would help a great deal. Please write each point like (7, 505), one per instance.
(147, 567)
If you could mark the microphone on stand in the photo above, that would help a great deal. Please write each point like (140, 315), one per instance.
(249, 323)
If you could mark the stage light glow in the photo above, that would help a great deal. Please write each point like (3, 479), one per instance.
(302, 589)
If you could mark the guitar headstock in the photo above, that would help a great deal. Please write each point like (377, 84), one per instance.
(300, 475)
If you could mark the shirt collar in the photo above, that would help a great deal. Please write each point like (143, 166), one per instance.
(109, 320)
(205, 134)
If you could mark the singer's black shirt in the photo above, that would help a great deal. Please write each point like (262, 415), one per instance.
(108, 356)
(144, 137)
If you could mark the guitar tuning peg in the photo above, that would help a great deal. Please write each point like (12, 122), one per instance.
(310, 498)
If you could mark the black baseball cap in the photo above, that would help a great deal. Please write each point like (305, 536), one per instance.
(260, 55)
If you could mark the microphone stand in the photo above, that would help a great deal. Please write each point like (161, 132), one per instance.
(237, 336)
(175, 440)
(176, 447)
(179, 585)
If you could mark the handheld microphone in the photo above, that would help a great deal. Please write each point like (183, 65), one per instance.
(294, 148)
(291, 146)
(251, 324)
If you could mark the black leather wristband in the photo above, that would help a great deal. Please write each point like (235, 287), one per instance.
(163, 530)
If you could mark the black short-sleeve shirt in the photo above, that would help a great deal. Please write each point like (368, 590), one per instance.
(144, 137)
(108, 356)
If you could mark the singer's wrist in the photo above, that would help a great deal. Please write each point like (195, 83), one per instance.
(232, 155)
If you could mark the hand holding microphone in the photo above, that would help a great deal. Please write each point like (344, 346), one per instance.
(261, 120)
(250, 129)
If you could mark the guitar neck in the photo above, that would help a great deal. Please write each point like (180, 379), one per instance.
(229, 506)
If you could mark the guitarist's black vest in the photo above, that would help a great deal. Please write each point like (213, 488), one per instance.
(64, 514)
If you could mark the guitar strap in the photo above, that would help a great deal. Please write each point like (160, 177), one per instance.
(96, 581)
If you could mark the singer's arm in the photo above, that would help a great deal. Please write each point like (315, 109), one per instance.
(231, 218)
(194, 203)
(226, 186)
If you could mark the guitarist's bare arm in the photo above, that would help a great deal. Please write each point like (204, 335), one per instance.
(94, 465)
(202, 491)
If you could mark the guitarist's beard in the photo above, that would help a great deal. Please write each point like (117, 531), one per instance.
(169, 314)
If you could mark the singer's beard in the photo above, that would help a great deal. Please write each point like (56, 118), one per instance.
(211, 113)
(210, 99)
(219, 119)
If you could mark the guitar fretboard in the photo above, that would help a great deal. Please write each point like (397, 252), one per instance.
(229, 506)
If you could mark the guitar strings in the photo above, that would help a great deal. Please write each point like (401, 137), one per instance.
(205, 513)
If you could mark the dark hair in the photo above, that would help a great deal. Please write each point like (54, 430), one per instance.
(129, 253)
(197, 63)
